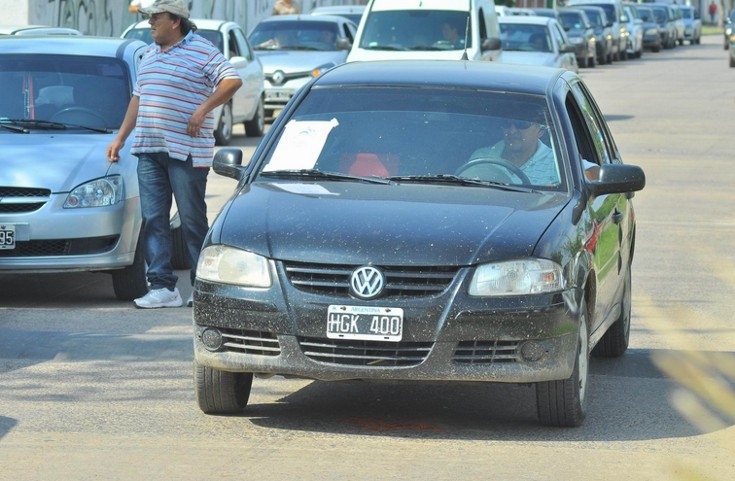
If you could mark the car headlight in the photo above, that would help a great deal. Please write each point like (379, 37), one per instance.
(97, 193)
(516, 278)
(227, 265)
(728, 31)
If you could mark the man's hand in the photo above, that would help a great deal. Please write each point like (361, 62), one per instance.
(113, 150)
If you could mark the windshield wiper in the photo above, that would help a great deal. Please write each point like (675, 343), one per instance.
(456, 180)
(319, 174)
(48, 125)
(385, 47)
(12, 126)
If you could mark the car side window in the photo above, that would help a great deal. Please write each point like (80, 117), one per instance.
(234, 45)
(242, 44)
(607, 152)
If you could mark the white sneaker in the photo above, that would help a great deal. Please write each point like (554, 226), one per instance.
(159, 298)
(190, 300)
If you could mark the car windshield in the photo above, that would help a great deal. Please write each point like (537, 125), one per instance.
(687, 13)
(595, 18)
(571, 21)
(525, 38)
(419, 134)
(295, 35)
(64, 89)
(645, 13)
(416, 30)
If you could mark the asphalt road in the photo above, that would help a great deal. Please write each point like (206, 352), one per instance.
(93, 389)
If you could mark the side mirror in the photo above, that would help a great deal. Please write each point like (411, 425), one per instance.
(228, 163)
(492, 43)
(343, 44)
(618, 178)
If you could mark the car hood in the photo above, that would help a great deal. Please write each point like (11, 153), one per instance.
(409, 224)
(298, 61)
(58, 162)
(531, 58)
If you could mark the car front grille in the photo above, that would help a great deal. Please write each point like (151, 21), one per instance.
(61, 247)
(486, 352)
(400, 281)
(365, 353)
(251, 342)
(18, 200)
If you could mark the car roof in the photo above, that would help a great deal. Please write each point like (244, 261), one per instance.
(37, 30)
(67, 45)
(445, 74)
(306, 18)
(339, 9)
(526, 19)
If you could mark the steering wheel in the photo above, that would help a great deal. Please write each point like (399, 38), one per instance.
(509, 166)
(76, 112)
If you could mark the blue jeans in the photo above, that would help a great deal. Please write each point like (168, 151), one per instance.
(160, 177)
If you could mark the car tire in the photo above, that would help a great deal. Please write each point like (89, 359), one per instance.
(130, 282)
(221, 392)
(563, 403)
(223, 134)
(179, 254)
(732, 62)
(255, 127)
(615, 341)
(591, 62)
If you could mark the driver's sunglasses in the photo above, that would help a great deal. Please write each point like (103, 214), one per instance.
(517, 124)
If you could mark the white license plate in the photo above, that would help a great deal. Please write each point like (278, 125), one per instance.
(7, 237)
(279, 95)
(365, 323)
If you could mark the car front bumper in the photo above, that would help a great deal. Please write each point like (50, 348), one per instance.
(451, 336)
(54, 239)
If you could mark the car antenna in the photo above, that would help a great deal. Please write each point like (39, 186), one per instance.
(466, 38)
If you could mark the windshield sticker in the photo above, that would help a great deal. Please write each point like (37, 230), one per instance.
(300, 145)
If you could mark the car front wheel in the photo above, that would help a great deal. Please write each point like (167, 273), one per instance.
(563, 403)
(223, 134)
(256, 126)
(615, 341)
(221, 392)
(130, 282)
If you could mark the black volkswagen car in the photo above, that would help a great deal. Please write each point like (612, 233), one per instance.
(422, 221)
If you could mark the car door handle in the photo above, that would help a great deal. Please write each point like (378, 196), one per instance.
(617, 216)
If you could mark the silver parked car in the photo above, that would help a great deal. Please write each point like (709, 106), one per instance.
(536, 40)
(247, 106)
(296, 48)
(63, 206)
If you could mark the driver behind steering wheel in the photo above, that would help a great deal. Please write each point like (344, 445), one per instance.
(522, 147)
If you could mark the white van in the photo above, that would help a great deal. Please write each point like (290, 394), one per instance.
(428, 29)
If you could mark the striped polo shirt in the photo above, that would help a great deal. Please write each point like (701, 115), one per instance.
(171, 85)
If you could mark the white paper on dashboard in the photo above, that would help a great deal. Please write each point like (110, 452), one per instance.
(300, 144)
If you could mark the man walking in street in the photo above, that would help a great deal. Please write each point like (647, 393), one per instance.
(181, 79)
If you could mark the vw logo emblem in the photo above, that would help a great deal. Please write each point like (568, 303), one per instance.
(278, 77)
(367, 282)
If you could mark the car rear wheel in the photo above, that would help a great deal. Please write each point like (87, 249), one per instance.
(563, 403)
(130, 282)
(179, 255)
(223, 134)
(256, 126)
(615, 341)
(221, 392)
